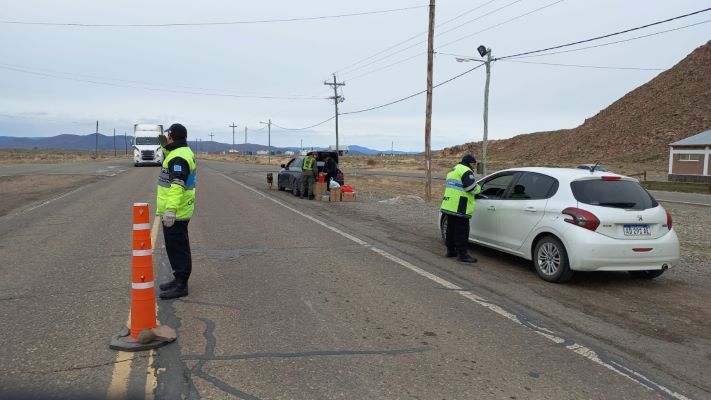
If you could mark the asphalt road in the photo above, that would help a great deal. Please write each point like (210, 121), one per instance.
(298, 299)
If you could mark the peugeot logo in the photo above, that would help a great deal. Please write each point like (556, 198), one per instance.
(639, 218)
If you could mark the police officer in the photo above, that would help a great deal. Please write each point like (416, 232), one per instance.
(458, 206)
(176, 201)
(308, 176)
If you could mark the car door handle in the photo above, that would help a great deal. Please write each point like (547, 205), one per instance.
(491, 208)
(531, 209)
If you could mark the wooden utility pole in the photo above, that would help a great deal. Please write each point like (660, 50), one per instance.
(336, 99)
(114, 142)
(233, 126)
(212, 135)
(245, 136)
(125, 141)
(269, 139)
(428, 106)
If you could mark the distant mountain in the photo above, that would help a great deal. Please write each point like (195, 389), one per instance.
(106, 143)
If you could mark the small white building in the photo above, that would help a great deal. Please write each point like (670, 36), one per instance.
(288, 153)
(262, 152)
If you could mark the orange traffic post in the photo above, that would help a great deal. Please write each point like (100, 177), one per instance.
(142, 333)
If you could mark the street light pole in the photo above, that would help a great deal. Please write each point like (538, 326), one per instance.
(486, 107)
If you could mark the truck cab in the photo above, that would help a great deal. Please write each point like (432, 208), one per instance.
(146, 148)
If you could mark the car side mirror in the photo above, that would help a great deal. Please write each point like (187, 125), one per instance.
(480, 196)
(283, 165)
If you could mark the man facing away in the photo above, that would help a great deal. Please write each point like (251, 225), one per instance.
(458, 206)
(308, 176)
(175, 205)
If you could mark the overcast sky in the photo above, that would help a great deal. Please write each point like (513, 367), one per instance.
(61, 79)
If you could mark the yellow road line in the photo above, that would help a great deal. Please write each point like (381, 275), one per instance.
(124, 360)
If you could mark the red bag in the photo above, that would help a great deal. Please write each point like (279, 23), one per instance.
(347, 189)
(321, 178)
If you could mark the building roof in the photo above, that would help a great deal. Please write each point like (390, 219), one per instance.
(701, 139)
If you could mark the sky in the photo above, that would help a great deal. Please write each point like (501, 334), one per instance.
(58, 79)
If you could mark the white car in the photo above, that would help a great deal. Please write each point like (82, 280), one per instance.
(566, 219)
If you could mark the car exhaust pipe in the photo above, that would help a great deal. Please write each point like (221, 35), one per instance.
(665, 267)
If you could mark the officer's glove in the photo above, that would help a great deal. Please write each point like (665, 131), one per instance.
(168, 218)
(162, 140)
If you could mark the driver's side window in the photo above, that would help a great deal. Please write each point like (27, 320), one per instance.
(495, 187)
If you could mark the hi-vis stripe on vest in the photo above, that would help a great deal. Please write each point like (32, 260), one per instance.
(177, 195)
(457, 199)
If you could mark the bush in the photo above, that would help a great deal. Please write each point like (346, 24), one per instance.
(371, 162)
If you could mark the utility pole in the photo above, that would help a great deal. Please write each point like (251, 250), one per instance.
(302, 146)
(233, 126)
(336, 99)
(392, 148)
(245, 134)
(269, 139)
(114, 142)
(211, 139)
(96, 151)
(428, 105)
(125, 141)
(486, 109)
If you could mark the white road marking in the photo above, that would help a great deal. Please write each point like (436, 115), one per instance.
(118, 388)
(576, 348)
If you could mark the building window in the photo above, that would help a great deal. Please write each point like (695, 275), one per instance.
(689, 157)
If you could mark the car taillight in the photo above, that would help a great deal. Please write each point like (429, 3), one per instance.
(669, 220)
(611, 178)
(581, 218)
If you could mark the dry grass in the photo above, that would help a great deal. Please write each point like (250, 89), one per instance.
(381, 187)
(23, 190)
(55, 156)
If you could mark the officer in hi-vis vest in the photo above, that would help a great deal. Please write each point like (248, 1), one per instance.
(175, 205)
(458, 206)
(308, 176)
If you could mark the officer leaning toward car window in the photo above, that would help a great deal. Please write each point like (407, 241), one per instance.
(458, 206)
(175, 205)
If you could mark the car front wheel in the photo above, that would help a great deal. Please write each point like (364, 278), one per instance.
(648, 274)
(550, 259)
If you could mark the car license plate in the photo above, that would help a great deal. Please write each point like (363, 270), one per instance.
(636, 230)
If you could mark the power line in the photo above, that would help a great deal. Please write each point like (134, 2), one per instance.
(411, 38)
(163, 25)
(97, 82)
(615, 42)
(414, 94)
(586, 66)
(308, 127)
(351, 70)
(456, 40)
(606, 36)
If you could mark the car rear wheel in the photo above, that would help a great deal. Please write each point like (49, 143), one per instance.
(648, 274)
(550, 259)
(294, 188)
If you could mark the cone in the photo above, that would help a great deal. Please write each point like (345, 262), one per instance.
(143, 298)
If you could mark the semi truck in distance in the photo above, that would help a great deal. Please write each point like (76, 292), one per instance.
(146, 147)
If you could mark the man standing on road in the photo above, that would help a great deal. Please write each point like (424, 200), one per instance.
(308, 176)
(175, 205)
(458, 206)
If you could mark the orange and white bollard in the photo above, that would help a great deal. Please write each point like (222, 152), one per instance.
(142, 333)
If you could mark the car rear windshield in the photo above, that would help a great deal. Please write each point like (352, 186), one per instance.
(617, 194)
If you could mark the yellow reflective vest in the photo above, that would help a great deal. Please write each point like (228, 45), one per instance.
(457, 200)
(177, 195)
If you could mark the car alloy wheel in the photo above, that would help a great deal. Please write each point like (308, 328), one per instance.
(548, 259)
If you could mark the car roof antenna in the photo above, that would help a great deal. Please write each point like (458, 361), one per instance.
(594, 166)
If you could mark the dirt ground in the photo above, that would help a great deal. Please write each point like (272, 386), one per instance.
(8, 156)
(18, 192)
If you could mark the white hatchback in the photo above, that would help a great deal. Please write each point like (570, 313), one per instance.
(567, 220)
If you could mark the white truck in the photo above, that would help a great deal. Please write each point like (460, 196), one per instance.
(146, 148)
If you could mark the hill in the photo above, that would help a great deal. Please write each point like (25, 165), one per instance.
(636, 128)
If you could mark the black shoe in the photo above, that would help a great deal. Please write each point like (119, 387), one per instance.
(168, 285)
(451, 253)
(179, 290)
(466, 258)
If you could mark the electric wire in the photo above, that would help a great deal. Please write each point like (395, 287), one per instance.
(606, 36)
(308, 127)
(347, 67)
(611, 43)
(351, 70)
(153, 89)
(469, 58)
(179, 24)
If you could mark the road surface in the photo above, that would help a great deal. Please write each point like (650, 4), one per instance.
(305, 300)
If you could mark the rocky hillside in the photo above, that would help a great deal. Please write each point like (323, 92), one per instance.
(636, 128)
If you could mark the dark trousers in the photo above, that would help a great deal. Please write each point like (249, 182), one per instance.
(457, 234)
(177, 245)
